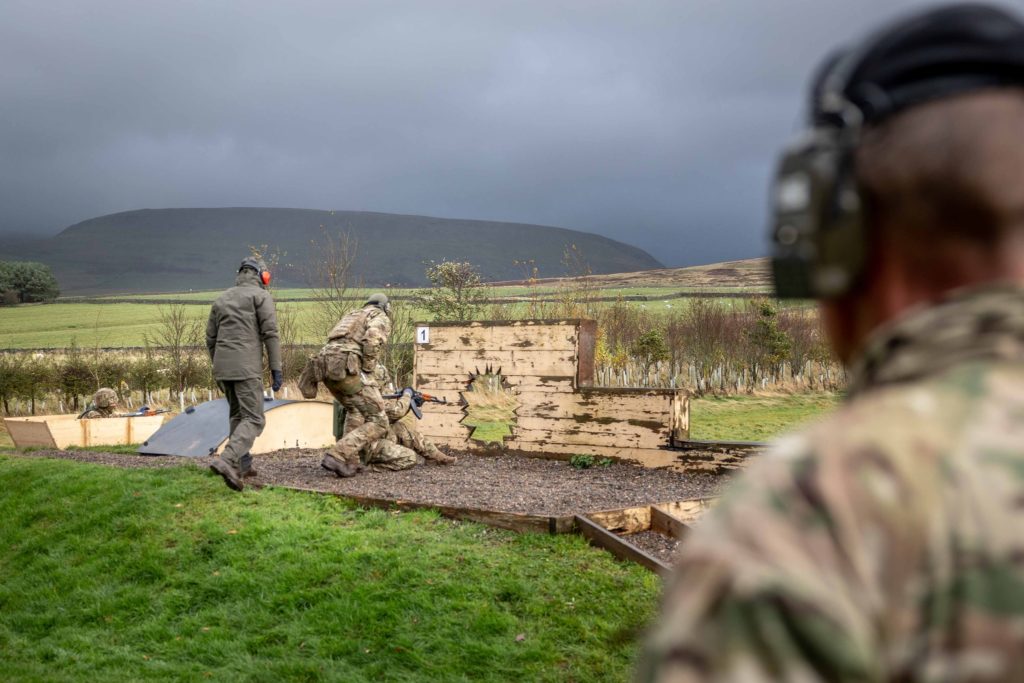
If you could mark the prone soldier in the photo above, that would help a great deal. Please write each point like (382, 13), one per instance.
(103, 404)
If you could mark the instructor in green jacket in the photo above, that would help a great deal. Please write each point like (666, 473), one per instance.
(242, 322)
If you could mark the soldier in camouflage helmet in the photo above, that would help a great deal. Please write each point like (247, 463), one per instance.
(346, 366)
(886, 543)
(104, 403)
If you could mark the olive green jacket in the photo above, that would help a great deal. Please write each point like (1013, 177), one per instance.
(243, 321)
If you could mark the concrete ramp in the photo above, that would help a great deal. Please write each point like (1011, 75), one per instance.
(204, 431)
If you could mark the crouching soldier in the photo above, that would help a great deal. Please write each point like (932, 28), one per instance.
(402, 430)
(104, 403)
(346, 366)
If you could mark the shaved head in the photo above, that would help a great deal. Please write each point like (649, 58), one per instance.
(949, 175)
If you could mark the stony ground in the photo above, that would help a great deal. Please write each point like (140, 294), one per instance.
(653, 543)
(505, 483)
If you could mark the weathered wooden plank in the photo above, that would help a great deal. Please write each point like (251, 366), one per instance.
(511, 363)
(583, 440)
(648, 457)
(586, 345)
(535, 337)
(25, 433)
(437, 383)
(622, 549)
(624, 521)
(688, 511)
(605, 429)
(680, 420)
(65, 431)
(651, 412)
(719, 461)
(667, 525)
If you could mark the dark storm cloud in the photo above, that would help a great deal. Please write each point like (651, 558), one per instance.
(652, 122)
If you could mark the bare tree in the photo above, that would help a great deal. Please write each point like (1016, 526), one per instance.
(179, 334)
(329, 274)
(576, 292)
(397, 354)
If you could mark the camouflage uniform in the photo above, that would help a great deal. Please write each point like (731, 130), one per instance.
(385, 453)
(884, 543)
(346, 365)
(103, 404)
(400, 446)
(401, 428)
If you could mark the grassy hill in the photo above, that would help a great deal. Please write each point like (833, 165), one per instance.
(163, 250)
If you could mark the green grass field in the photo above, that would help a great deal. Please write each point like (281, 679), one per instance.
(163, 574)
(755, 418)
(521, 291)
(108, 325)
(128, 324)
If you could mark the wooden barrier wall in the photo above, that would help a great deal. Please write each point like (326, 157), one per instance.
(549, 365)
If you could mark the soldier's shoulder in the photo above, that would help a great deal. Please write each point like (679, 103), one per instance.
(931, 412)
(906, 437)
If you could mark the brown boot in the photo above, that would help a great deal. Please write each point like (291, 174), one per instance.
(245, 467)
(434, 453)
(228, 473)
(340, 467)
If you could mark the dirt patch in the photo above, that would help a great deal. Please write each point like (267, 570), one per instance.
(125, 460)
(653, 543)
(505, 483)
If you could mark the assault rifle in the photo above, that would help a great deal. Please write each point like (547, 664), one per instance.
(144, 411)
(417, 400)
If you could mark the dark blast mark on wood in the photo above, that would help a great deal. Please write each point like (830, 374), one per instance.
(585, 353)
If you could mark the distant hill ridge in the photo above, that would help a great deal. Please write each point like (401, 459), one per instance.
(170, 250)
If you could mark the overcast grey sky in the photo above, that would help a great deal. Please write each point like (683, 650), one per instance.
(655, 122)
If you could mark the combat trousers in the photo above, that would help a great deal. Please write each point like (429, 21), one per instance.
(245, 411)
(408, 436)
(369, 423)
(383, 453)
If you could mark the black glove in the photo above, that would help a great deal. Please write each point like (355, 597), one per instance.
(408, 391)
(278, 379)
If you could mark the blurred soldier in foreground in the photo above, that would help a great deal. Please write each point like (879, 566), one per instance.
(887, 542)
(103, 404)
(346, 366)
(242, 322)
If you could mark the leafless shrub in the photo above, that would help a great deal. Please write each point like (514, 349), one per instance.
(182, 338)
(329, 275)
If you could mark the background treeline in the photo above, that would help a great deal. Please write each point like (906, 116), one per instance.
(703, 345)
(715, 346)
(23, 282)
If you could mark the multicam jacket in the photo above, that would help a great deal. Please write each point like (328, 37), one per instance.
(363, 331)
(885, 543)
